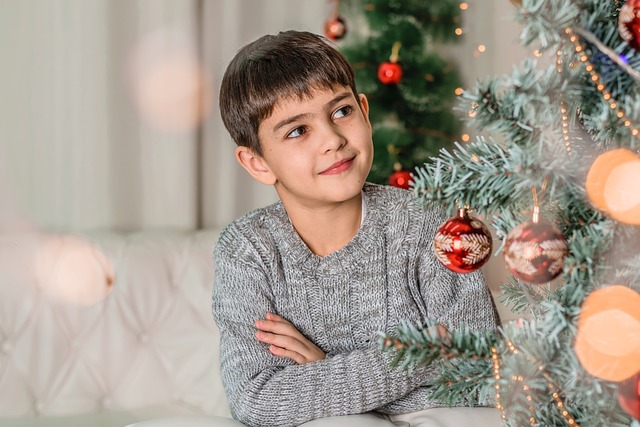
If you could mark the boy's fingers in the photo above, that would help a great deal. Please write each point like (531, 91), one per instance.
(277, 327)
(282, 341)
(291, 348)
(282, 352)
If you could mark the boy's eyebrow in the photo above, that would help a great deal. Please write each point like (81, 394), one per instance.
(331, 103)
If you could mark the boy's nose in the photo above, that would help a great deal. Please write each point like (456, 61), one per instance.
(333, 141)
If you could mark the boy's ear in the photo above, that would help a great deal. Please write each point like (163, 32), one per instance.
(255, 165)
(364, 105)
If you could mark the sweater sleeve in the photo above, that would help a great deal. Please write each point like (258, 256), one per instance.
(453, 299)
(266, 390)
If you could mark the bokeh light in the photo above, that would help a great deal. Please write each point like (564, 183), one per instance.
(72, 270)
(600, 171)
(170, 87)
(621, 193)
(608, 339)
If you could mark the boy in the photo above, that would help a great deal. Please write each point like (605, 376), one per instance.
(303, 287)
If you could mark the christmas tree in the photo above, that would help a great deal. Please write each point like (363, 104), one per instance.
(410, 87)
(555, 171)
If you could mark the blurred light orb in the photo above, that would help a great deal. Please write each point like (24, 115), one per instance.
(170, 86)
(599, 172)
(608, 340)
(73, 271)
(621, 192)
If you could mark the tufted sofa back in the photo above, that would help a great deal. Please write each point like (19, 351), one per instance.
(150, 343)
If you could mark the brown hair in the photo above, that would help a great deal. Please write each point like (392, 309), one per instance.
(272, 68)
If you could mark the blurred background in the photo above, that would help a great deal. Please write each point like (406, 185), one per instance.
(108, 108)
(109, 116)
(116, 176)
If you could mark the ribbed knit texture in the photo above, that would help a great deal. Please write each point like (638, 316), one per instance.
(387, 274)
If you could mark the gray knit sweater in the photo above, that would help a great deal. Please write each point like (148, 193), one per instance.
(385, 275)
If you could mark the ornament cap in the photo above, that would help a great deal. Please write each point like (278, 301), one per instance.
(395, 49)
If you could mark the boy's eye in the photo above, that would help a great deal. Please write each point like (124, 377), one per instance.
(299, 131)
(342, 112)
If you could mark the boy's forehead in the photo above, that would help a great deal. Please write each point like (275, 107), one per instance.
(297, 98)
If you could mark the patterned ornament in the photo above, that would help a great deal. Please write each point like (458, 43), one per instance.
(335, 28)
(535, 252)
(629, 23)
(463, 244)
(629, 396)
(401, 179)
(390, 73)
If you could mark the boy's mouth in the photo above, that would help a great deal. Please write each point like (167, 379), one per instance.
(338, 167)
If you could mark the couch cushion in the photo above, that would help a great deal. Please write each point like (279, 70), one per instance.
(151, 342)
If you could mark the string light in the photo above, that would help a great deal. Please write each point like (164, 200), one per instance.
(482, 48)
(495, 360)
(464, 6)
(458, 31)
(465, 137)
(458, 91)
(600, 87)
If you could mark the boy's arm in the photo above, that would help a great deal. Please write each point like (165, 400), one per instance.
(286, 341)
(452, 299)
(449, 298)
(267, 390)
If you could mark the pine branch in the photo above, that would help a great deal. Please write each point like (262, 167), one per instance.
(477, 175)
(543, 21)
(516, 299)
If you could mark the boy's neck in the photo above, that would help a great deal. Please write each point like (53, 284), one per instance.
(328, 229)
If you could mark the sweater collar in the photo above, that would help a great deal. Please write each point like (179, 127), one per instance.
(293, 247)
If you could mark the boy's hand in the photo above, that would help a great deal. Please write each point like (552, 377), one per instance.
(286, 341)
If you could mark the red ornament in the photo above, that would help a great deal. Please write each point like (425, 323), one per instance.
(401, 179)
(463, 244)
(629, 396)
(629, 23)
(535, 252)
(335, 28)
(390, 73)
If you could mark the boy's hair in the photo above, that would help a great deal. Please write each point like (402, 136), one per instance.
(272, 68)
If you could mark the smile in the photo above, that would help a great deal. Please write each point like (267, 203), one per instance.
(338, 167)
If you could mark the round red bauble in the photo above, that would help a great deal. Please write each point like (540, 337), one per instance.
(390, 73)
(629, 23)
(629, 396)
(335, 28)
(401, 179)
(463, 244)
(535, 252)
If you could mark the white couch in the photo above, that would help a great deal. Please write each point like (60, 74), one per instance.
(149, 350)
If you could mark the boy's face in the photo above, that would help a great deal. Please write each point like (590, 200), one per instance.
(317, 150)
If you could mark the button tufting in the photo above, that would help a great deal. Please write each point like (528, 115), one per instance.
(7, 346)
(143, 337)
(38, 405)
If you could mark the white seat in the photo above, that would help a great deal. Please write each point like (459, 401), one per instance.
(189, 422)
